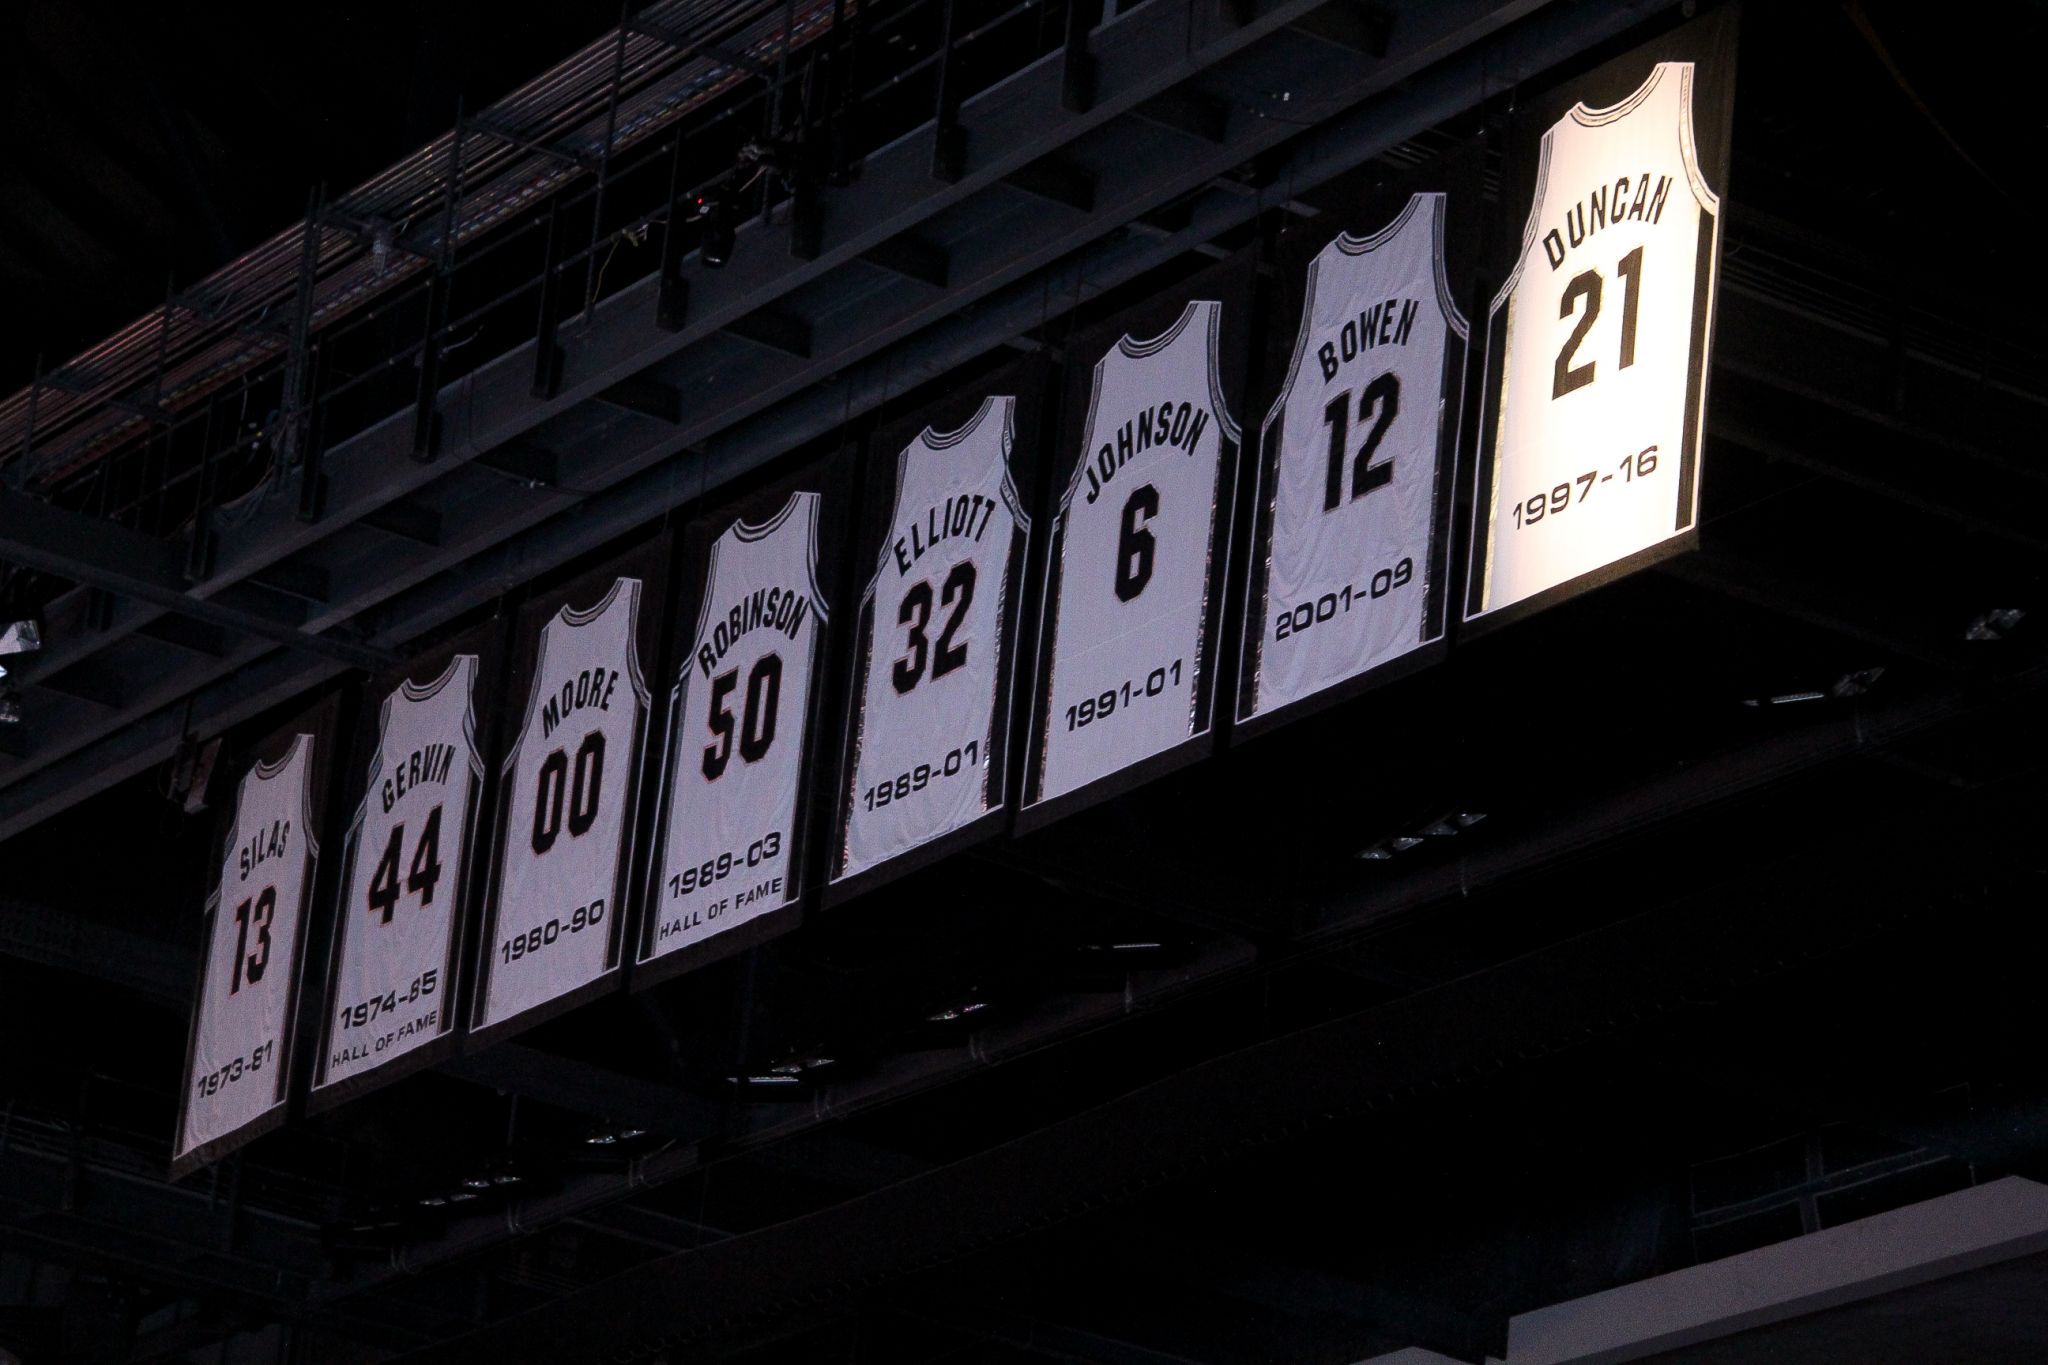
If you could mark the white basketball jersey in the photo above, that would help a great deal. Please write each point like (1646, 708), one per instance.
(1603, 351)
(404, 871)
(569, 809)
(737, 725)
(238, 1071)
(931, 699)
(1351, 464)
(1132, 564)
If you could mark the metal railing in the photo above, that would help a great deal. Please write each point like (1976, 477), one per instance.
(580, 183)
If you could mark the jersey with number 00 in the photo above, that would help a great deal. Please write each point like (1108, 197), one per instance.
(1601, 337)
(737, 722)
(238, 1069)
(1131, 567)
(932, 697)
(1351, 463)
(570, 786)
(404, 869)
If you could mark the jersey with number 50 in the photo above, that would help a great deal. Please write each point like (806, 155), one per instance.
(737, 721)
(1598, 349)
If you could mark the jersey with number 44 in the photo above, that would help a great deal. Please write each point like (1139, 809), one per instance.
(1601, 335)
(1134, 557)
(736, 733)
(403, 874)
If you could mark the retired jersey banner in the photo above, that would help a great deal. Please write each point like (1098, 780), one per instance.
(238, 1056)
(1350, 555)
(943, 544)
(1598, 341)
(743, 723)
(568, 802)
(408, 869)
(1144, 477)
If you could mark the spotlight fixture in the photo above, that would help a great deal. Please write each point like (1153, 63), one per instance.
(1378, 853)
(1995, 624)
(1857, 683)
(957, 1011)
(1401, 843)
(10, 709)
(715, 246)
(21, 637)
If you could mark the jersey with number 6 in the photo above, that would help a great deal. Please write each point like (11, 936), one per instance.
(238, 1071)
(931, 697)
(1598, 349)
(570, 784)
(404, 869)
(737, 722)
(1134, 558)
(1353, 464)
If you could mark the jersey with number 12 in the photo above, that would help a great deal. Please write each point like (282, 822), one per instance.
(1352, 464)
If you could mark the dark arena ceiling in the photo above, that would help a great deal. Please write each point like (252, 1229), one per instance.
(1663, 967)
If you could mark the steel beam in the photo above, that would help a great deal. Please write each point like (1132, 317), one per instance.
(103, 555)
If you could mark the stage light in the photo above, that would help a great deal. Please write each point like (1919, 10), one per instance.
(1857, 683)
(1788, 698)
(1440, 829)
(955, 1012)
(1994, 624)
(432, 1201)
(1378, 853)
(10, 709)
(1468, 818)
(478, 1183)
(719, 237)
(1401, 843)
(21, 637)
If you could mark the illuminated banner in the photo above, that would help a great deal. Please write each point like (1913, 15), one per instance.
(1351, 537)
(944, 540)
(1146, 474)
(393, 976)
(238, 1056)
(568, 797)
(1598, 342)
(742, 719)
